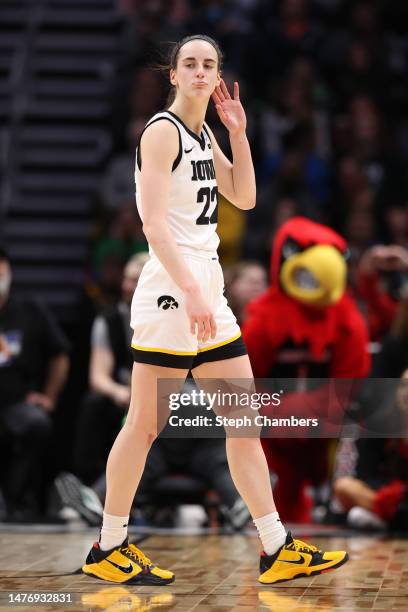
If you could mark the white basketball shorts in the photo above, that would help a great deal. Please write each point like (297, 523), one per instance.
(160, 323)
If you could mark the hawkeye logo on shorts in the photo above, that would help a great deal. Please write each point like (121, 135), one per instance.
(165, 302)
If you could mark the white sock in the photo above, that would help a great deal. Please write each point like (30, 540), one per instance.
(113, 531)
(271, 532)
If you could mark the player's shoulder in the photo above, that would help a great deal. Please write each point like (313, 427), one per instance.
(161, 135)
(161, 125)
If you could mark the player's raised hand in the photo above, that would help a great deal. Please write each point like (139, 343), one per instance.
(230, 110)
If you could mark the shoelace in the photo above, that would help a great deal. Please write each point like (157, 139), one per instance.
(137, 554)
(298, 545)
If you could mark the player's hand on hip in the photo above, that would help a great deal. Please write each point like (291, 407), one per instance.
(230, 110)
(201, 318)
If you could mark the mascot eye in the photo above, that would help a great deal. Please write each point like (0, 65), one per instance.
(290, 248)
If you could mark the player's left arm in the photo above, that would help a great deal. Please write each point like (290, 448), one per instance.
(236, 180)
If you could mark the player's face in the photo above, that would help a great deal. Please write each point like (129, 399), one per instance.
(196, 74)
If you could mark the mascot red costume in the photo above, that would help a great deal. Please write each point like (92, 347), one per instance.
(304, 326)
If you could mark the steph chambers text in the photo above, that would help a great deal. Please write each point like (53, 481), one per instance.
(239, 422)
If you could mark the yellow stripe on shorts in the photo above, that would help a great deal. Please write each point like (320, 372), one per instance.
(214, 346)
(161, 350)
(173, 352)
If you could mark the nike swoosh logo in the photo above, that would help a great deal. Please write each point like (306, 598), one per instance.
(188, 150)
(299, 562)
(125, 570)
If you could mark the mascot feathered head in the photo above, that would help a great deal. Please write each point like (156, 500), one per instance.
(308, 262)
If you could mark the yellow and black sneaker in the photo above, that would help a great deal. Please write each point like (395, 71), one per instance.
(296, 559)
(125, 564)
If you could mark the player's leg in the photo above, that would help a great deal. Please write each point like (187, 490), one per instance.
(246, 459)
(113, 559)
(283, 557)
(144, 421)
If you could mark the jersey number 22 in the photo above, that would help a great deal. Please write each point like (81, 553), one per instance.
(207, 195)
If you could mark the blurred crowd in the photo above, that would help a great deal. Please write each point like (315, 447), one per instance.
(324, 84)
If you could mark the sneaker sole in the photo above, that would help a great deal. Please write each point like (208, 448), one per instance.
(312, 573)
(144, 579)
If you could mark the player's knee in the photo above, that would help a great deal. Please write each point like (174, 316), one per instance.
(151, 436)
(143, 432)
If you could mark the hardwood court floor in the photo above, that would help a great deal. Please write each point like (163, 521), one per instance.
(213, 573)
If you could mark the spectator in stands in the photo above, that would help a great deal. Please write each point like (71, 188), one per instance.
(111, 362)
(244, 282)
(381, 283)
(371, 475)
(146, 94)
(375, 492)
(118, 183)
(33, 369)
(123, 239)
(351, 191)
(396, 220)
(273, 212)
(371, 143)
(359, 230)
(362, 71)
(392, 361)
(294, 31)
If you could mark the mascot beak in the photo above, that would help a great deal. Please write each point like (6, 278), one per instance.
(317, 276)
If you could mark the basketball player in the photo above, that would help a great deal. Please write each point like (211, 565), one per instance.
(180, 318)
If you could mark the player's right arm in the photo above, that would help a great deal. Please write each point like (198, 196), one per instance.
(159, 146)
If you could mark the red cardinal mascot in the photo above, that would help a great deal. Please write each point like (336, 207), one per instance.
(304, 326)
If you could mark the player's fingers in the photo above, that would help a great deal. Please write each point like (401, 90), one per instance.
(213, 327)
(206, 329)
(219, 93)
(224, 90)
(216, 98)
(193, 325)
(201, 329)
(236, 91)
(221, 113)
(198, 328)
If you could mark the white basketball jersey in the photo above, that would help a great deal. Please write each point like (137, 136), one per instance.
(193, 198)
